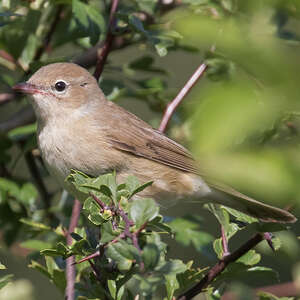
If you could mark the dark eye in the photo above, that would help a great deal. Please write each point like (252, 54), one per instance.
(60, 86)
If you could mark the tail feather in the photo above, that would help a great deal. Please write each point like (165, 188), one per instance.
(227, 196)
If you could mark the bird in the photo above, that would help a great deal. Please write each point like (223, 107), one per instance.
(79, 129)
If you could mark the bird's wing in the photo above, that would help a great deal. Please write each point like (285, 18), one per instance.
(138, 138)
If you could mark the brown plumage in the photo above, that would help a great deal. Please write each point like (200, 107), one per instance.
(79, 129)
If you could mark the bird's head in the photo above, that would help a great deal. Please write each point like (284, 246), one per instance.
(60, 88)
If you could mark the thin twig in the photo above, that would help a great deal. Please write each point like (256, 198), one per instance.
(70, 267)
(102, 56)
(177, 100)
(220, 266)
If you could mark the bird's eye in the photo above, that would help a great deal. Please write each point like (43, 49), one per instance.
(60, 86)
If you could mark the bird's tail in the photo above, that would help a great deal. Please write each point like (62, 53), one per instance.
(227, 196)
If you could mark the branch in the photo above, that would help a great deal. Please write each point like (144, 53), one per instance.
(102, 55)
(177, 100)
(220, 266)
(70, 267)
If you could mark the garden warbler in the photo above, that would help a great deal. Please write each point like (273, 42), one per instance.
(78, 128)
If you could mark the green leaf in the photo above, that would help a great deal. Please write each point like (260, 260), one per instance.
(240, 216)
(171, 285)
(157, 224)
(37, 266)
(268, 296)
(81, 247)
(140, 188)
(150, 256)
(187, 232)
(250, 258)
(171, 267)
(23, 131)
(28, 53)
(5, 280)
(107, 233)
(36, 225)
(59, 279)
(10, 187)
(35, 245)
(28, 193)
(145, 63)
(147, 6)
(190, 276)
(88, 20)
(2, 267)
(142, 211)
(123, 254)
(104, 189)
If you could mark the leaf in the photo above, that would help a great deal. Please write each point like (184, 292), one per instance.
(145, 63)
(36, 225)
(123, 254)
(2, 267)
(190, 276)
(187, 232)
(157, 224)
(268, 296)
(171, 267)
(28, 193)
(81, 247)
(240, 216)
(10, 187)
(250, 258)
(29, 50)
(88, 20)
(5, 280)
(35, 245)
(21, 132)
(140, 188)
(150, 256)
(237, 270)
(104, 189)
(107, 233)
(171, 285)
(142, 211)
(37, 266)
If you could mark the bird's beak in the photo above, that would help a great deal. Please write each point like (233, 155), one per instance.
(26, 88)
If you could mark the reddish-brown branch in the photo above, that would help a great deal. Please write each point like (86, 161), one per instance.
(102, 55)
(70, 267)
(218, 268)
(177, 100)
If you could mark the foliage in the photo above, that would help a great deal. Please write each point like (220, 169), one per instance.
(241, 121)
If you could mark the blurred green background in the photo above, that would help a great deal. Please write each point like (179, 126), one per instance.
(241, 120)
